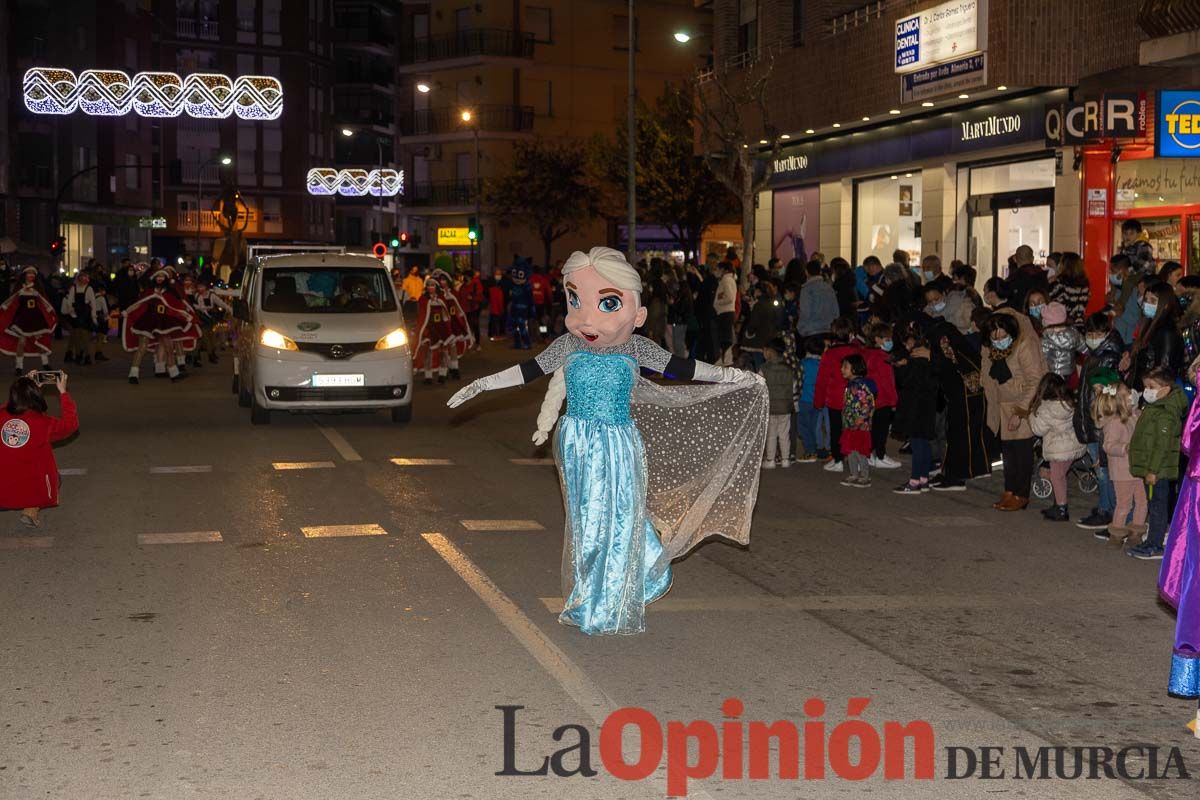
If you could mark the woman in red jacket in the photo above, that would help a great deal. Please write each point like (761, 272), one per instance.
(831, 385)
(26, 458)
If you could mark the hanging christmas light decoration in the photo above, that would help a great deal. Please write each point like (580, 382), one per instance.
(325, 181)
(109, 93)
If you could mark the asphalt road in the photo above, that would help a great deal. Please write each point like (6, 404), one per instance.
(196, 621)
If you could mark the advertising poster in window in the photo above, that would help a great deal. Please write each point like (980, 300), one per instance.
(796, 223)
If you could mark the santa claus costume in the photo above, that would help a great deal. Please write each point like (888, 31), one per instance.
(435, 334)
(160, 317)
(463, 339)
(27, 321)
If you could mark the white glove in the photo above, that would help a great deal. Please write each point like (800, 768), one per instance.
(541, 437)
(500, 380)
(466, 393)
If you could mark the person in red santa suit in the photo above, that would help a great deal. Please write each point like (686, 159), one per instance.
(155, 319)
(26, 456)
(27, 321)
(462, 338)
(435, 333)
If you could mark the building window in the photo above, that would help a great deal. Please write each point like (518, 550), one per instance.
(540, 95)
(539, 22)
(463, 20)
(464, 164)
(272, 215)
(747, 26)
(271, 13)
(797, 23)
(132, 180)
(620, 32)
(887, 214)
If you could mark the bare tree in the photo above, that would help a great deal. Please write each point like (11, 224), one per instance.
(732, 121)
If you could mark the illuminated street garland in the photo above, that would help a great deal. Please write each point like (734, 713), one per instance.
(355, 182)
(111, 93)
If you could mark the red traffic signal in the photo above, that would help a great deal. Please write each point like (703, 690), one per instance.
(379, 249)
(57, 244)
(403, 237)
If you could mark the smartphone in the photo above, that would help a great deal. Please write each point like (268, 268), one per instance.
(47, 377)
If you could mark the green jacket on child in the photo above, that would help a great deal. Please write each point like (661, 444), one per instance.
(1155, 444)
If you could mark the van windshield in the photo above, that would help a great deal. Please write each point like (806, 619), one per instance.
(327, 290)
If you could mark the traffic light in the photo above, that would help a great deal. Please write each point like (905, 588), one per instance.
(404, 238)
(473, 229)
(396, 240)
(58, 246)
(379, 249)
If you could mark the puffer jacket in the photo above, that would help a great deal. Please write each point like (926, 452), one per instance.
(1106, 356)
(1156, 439)
(1014, 396)
(880, 370)
(780, 382)
(1060, 345)
(1052, 422)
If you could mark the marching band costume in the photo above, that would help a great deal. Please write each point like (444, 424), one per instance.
(157, 317)
(27, 321)
(647, 472)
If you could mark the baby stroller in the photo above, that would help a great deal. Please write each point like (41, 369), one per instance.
(1083, 470)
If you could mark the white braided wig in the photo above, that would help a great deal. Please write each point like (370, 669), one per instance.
(612, 266)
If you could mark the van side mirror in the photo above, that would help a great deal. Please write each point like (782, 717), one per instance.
(241, 311)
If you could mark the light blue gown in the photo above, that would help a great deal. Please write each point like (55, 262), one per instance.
(611, 556)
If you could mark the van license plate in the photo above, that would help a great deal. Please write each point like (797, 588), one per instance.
(338, 380)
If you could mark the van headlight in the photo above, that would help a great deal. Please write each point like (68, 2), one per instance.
(397, 338)
(275, 339)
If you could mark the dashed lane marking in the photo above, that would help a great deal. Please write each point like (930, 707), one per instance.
(180, 470)
(186, 537)
(26, 542)
(560, 666)
(532, 462)
(422, 462)
(73, 471)
(285, 465)
(502, 525)
(339, 443)
(332, 531)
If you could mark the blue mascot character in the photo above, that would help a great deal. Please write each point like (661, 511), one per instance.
(520, 304)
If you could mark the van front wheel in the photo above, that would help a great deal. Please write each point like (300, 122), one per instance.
(258, 414)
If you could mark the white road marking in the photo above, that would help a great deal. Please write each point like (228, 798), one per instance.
(339, 443)
(532, 462)
(422, 462)
(282, 465)
(502, 525)
(570, 677)
(180, 470)
(73, 471)
(330, 531)
(188, 537)
(26, 542)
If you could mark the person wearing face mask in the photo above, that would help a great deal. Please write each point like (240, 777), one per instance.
(1104, 349)
(1013, 368)
(1157, 342)
(1124, 295)
(878, 355)
(996, 294)
(1071, 288)
(1062, 343)
(1026, 276)
(954, 307)
(27, 321)
(1154, 454)
(935, 278)
(1035, 304)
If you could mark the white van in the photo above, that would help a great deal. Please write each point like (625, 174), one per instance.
(320, 332)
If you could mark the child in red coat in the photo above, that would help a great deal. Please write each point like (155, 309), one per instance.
(831, 385)
(878, 354)
(26, 459)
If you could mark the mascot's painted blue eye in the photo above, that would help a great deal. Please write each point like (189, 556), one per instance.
(610, 304)
(573, 299)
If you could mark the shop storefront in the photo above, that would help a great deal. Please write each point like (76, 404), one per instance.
(106, 237)
(974, 184)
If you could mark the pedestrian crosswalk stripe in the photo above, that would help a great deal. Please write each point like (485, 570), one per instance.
(345, 450)
(330, 531)
(73, 471)
(187, 537)
(26, 542)
(282, 465)
(180, 470)
(422, 462)
(502, 525)
(532, 462)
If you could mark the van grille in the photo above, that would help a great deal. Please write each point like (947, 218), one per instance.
(308, 394)
(337, 350)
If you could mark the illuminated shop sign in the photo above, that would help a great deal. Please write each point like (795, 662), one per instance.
(943, 33)
(152, 222)
(455, 237)
(1115, 115)
(1177, 128)
(112, 93)
(355, 182)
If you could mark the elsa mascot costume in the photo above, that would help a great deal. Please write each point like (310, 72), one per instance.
(647, 471)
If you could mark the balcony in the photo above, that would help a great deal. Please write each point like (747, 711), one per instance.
(440, 193)
(197, 29)
(446, 122)
(372, 36)
(468, 46)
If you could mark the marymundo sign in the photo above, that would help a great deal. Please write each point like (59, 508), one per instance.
(991, 126)
(793, 163)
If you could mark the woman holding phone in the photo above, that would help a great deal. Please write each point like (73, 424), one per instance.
(26, 456)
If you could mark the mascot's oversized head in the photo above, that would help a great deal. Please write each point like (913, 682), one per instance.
(604, 294)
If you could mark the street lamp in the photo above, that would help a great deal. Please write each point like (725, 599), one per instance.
(224, 161)
(467, 118)
(683, 37)
(349, 134)
(423, 87)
